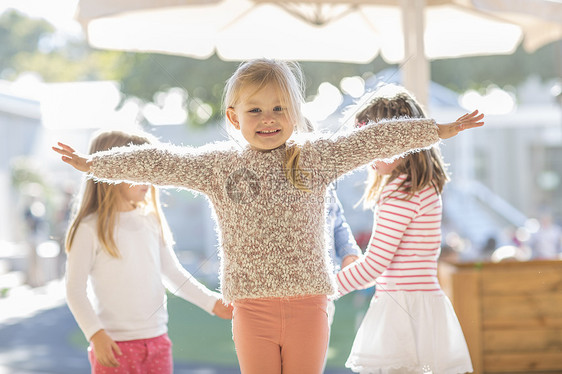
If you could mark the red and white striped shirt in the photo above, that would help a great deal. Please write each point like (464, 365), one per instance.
(404, 247)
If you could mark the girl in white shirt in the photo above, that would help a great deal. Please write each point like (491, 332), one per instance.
(120, 243)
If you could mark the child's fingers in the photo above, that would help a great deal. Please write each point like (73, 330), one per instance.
(465, 116)
(471, 116)
(110, 359)
(107, 358)
(117, 349)
(113, 361)
(471, 120)
(461, 118)
(476, 117)
(66, 147)
(58, 150)
(62, 151)
(470, 125)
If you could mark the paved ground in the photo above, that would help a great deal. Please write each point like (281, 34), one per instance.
(34, 329)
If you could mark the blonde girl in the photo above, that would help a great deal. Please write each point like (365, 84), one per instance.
(410, 326)
(269, 201)
(119, 242)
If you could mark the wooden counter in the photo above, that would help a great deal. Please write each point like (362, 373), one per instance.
(510, 313)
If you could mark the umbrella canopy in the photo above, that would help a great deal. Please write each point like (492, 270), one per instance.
(408, 31)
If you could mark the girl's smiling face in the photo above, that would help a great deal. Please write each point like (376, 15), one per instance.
(262, 118)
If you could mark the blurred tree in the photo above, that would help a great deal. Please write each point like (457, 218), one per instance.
(478, 72)
(32, 45)
(204, 80)
(19, 35)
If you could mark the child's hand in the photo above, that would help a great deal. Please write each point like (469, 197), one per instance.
(348, 260)
(467, 121)
(104, 348)
(223, 311)
(71, 157)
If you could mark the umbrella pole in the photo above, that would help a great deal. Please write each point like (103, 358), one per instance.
(415, 68)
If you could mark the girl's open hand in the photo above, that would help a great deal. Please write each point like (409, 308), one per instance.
(71, 157)
(468, 121)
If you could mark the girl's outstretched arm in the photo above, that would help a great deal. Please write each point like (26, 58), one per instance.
(157, 164)
(71, 157)
(385, 140)
(468, 121)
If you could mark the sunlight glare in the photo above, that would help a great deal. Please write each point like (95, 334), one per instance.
(494, 101)
(168, 109)
(353, 86)
(328, 99)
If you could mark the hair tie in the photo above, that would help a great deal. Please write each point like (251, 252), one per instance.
(360, 124)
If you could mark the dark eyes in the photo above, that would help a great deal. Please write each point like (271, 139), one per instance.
(278, 108)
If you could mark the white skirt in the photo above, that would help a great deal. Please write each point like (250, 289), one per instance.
(410, 332)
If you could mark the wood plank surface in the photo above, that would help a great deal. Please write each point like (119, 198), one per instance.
(522, 362)
(523, 341)
(468, 309)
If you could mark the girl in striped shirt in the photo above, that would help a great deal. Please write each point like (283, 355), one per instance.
(410, 326)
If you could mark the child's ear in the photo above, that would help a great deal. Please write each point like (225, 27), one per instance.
(233, 117)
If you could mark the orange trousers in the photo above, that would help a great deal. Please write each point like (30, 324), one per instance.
(281, 335)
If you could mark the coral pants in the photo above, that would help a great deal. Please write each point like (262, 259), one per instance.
(281, 335)
(142, 356)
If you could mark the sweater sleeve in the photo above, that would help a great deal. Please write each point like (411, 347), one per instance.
(395, 213)
(162, 165)
(344, 242)
(384, 140)
(181, 283)
(79, 262)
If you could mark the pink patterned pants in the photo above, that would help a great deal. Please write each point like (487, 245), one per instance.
(143, 356)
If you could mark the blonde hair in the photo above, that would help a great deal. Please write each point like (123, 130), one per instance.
(101, 198)
(288, 79)
(422, 168)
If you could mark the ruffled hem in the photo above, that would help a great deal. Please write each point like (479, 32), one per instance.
(409, 369)
(410, 332)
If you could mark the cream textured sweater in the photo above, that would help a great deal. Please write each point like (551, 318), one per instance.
(271, 234)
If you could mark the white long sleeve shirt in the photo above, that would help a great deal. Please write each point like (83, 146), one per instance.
(126, 296)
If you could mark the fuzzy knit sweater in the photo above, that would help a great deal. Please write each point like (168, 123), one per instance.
(271, 234)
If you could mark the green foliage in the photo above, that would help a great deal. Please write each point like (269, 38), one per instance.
(26, 47)
(18, 34)
(26, 171)
(476, 72)
(143, 75)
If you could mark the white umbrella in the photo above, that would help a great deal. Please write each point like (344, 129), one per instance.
(324, 30)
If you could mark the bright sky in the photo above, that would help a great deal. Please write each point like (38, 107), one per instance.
(58, 12)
